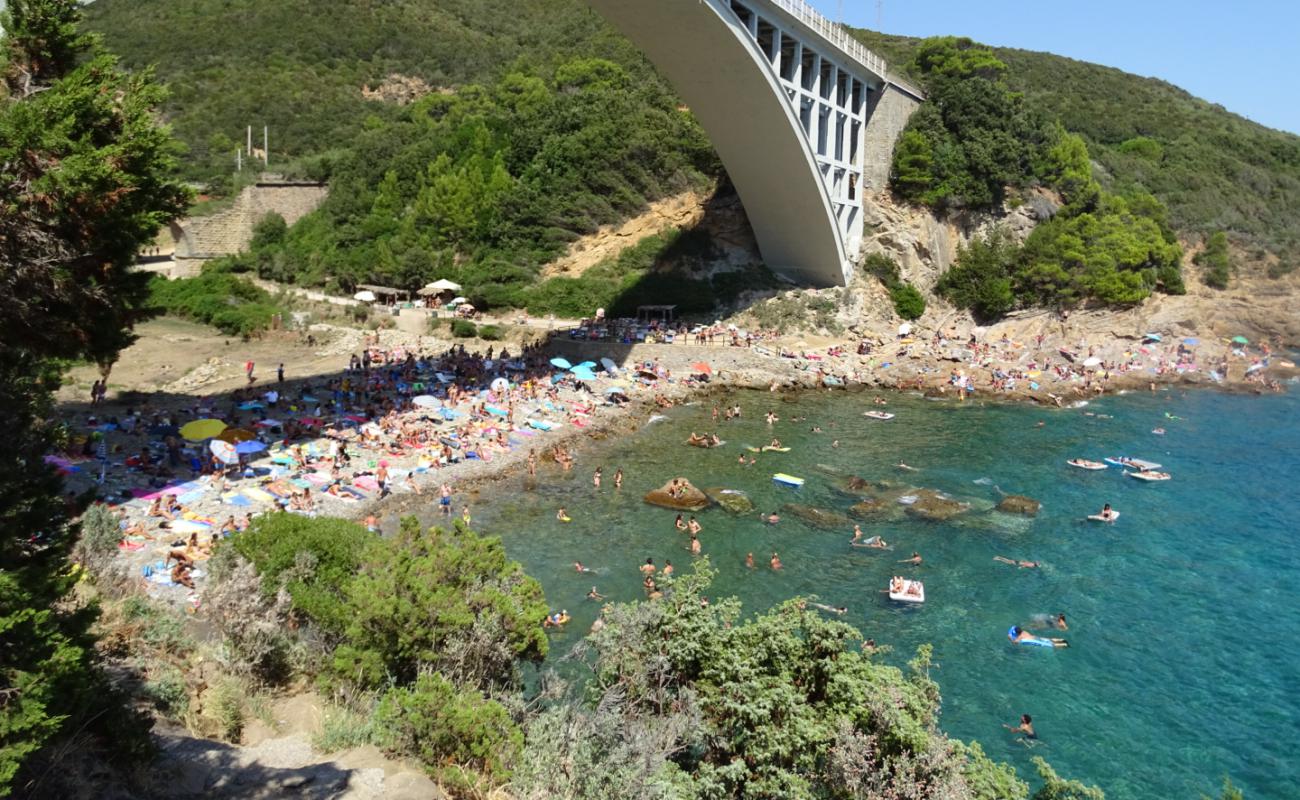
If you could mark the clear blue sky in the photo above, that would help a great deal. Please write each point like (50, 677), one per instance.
(1241, 55)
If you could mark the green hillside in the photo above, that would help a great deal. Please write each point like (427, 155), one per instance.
(1213, 169)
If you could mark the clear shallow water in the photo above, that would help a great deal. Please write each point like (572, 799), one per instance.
(1184, 615)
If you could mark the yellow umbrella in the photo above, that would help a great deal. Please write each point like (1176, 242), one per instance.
(201, 429)
(236, 435)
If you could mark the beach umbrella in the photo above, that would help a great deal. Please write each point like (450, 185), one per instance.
(1191, 341)
(1254, 368)
(201, 429)
(905, 329)
(500, 385)
(583, 374)
(365, 296)
(269, 423)
(609, 366)
(443, 285)
(236, 435)
(561, 363)
(250, 405)
(586, 365)
(616, 390)
(425, 401)
(164, 430)
(249, 447)
(224, 451)
(1240, 340)
(457, 301)
(700, 366)
(1153, 337)
(310, 422)
(1092, 361)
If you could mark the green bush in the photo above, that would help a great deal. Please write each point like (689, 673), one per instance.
(463, 329)
(908, 302)
(96, 548)
(216, 297)
(491, 333)
(980, 279)
(449, 730)
(1214, 260)
(882, 268)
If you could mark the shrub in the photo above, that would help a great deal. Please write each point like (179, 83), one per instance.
(447, 729)
(252, 623)
(343, 729)
(491, 333)
(96, 548)
(1214, 260)
(168, 692)
(882, 268)
(908, 302)
(980, 278)
(463, 329)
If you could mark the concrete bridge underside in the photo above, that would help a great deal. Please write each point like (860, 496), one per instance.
(713, 59)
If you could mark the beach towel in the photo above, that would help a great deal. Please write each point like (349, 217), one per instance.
(367, 483)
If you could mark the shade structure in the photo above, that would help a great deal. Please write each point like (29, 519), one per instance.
(701, 367)
(1091, 361)
(365, 296)
(1240, 340)
(443, 285)
(609, 365)
(583, 374)
(1191, 341)
(224, 451)
(236, 435)
(425, 401)
(500, 385)
(249, 447)
(201, 429)
(585, 365)
(561, 363)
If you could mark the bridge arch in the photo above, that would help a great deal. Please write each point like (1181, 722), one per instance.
(787, 100)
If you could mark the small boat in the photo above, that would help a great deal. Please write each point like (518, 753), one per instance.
(1135, 463)
(1083, 463)
(1114, 515)
(787, 480)
(1149, 475)
(877, 415)
(907, 591)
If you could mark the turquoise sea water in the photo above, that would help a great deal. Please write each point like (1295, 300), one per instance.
(1184, 615)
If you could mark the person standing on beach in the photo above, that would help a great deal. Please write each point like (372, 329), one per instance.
(532, 463)
(279, 374)
(444, 498)
(248, 370)
(595, 479)
(618, 478)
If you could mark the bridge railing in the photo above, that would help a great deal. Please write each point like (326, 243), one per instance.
(833, 33)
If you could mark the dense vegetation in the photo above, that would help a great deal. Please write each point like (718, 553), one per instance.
(1214, 170)
(215, 297)
(83, 184)
(908, 302)
(974, 139)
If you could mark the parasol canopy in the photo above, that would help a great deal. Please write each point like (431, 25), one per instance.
(500, 385)
(224, 451)
(609, 365)
(1240, 340)
(1092, 361)
(249, 447)
(365, 296)
(201, 429)
(701, 367)
(561, 363)
(425, 401)
(236, 435)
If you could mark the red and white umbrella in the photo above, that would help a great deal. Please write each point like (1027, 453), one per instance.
(224, 451)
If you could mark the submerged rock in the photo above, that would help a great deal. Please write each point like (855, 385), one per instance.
(870, 507)
(861, 487)
(1019, 504)
(935, 506)
(687, 499)
(818, 517)
(733, 500)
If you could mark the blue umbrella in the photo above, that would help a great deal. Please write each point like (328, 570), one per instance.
(249, 447)
(1191, 342)
(583, 374)
(561, 363)
(586, 365)
(1155, 337)
(250, 405)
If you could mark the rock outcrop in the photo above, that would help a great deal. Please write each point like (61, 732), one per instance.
(686, 498)
(733, 500)
(1019, 504)
(935, 506)
(817, 517)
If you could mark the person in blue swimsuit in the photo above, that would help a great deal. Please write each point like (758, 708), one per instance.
(1020, 636)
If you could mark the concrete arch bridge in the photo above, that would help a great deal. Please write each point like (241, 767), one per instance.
(803, 116)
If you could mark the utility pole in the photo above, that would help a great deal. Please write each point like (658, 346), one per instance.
(266, 146)
(239, 160)
(249, 144)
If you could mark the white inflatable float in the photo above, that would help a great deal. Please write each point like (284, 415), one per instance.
(906, 591)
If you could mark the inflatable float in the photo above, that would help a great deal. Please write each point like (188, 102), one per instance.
(877, 415)
(1032, 641)
(1147, 475)
(787, 480)
(906, 591)
(1083, 463)
(1135, 463)
(1114, 515)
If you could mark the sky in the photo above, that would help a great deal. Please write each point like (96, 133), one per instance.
(1239, 54)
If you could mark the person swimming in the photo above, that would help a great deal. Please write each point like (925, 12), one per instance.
(1019, 635)
(841, 610)
(1026, 727)
(1060, 623)
(915, 560)
(1107, 512)
(1022, 564)
(749, 560)
(694, 526)
(680, 524)
(772, 518)
(775, 561)
(595, 595)
(562, 515)
(578, 567)
(648, 568)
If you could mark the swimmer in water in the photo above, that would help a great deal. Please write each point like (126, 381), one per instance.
(668, 568)
(875, 542)
(1107, 513)
(915, 560)
(595, 595)
(695, 545)
(841, 610)
(775, 561)
(1026, 727)
(901, 465)
(1019, 635)
(680, 524)
(562, 515)
(749, 560)
(1060, 623)
(772, 518)
(835, 443)
(578, 567)
(694, 526)
(857, 534)
(648, 568)
(1015, 563)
